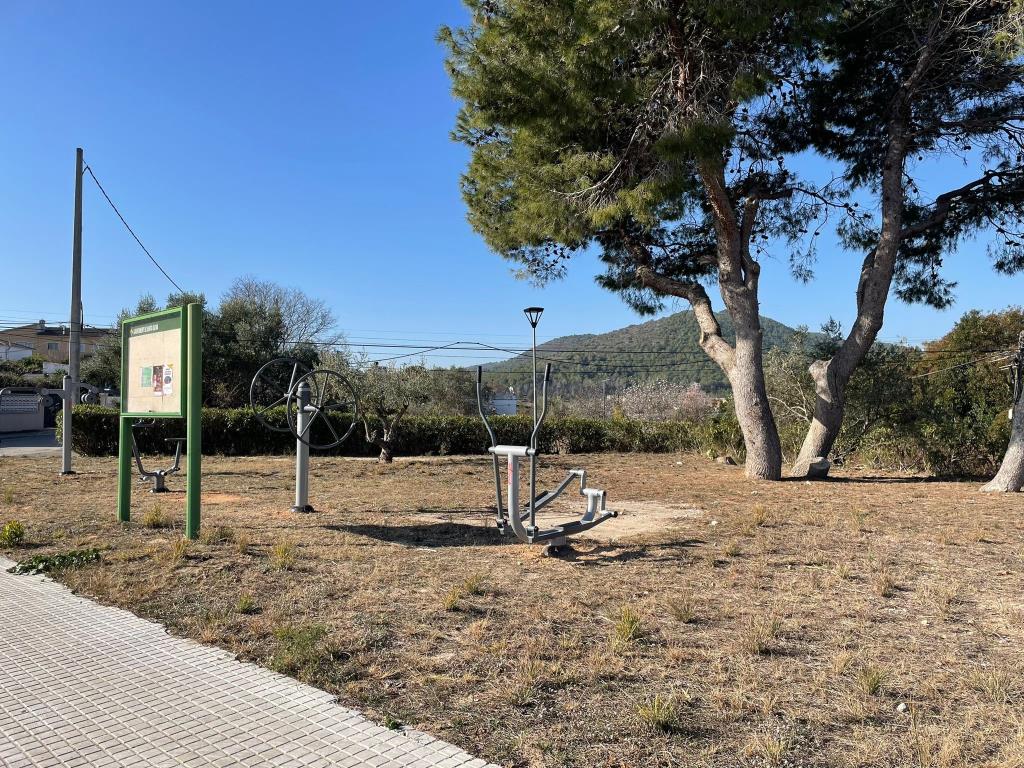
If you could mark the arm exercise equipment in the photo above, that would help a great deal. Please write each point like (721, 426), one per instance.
(309, 397)
(522, 519)
(157, 476)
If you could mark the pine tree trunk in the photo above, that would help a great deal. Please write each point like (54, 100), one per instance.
(760, 434)
(829, 407)
(1010, 477)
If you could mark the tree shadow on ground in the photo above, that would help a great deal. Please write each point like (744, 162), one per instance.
(584, 553)
(882, 480)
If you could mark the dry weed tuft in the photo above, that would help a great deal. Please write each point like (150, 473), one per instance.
(758, 517)
(871, 679)
(178, 551)
(683, 608)
(155, 519)
(768, 748)
(884, 583)
(662, 712)
(995, 684)
(758, 634)
(217, 534)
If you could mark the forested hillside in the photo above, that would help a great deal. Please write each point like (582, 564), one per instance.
(666, 348)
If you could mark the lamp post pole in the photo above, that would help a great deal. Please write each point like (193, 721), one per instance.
(533, 315)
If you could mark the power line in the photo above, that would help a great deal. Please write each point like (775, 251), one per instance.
(986, 359)
(132, 232)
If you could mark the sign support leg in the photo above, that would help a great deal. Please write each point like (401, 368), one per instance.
(124, 471)
(194, 421)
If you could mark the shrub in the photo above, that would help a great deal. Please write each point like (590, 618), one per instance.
(58, 562)
(236, 432)
(12, 534)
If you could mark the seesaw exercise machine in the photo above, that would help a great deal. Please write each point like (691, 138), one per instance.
(522, 519)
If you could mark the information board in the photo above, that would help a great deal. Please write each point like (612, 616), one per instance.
(154, 365)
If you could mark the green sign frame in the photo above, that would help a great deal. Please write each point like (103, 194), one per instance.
(142, 325)
(188, 401)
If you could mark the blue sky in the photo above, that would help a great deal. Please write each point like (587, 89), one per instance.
(309, 147)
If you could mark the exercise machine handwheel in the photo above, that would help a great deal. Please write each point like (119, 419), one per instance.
(329, 393)
(271, 385)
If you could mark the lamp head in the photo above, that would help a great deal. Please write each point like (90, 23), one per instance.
(533, 315)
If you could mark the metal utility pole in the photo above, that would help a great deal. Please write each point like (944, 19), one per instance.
(71, 381)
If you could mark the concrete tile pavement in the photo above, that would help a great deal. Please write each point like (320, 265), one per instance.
(83, 684)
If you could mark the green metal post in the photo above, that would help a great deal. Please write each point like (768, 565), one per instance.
(124, 449)
(194, 421)
(124, 470)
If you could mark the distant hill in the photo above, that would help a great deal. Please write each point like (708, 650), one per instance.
(666, 348)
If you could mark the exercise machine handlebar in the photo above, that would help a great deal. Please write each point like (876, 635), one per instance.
(480, 404)
(543, 406)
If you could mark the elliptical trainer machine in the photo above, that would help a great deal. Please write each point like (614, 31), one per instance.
(522, 519)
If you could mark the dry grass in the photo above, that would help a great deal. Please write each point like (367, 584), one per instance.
(788, 633)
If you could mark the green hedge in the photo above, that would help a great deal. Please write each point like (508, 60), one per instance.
(236, 432)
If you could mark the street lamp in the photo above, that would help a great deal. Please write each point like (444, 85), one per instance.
(533, 315)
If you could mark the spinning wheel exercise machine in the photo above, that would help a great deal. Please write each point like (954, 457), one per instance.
(522, 519)
(309, 398)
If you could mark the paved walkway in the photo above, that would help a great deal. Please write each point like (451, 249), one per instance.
(87, 685)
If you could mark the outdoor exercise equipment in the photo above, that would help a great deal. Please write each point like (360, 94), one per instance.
(157, 476)
(309, 397)
(162, 378)
(522, 519)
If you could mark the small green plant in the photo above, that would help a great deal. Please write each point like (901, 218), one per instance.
(246, 605)
(12, 534)
(392, 723)
(628, 628)
(57, 562)
(683, 608)
(302, 651)
(8, 495)
(871, 679)
(155, 518)
(282, 556)
(662, 713)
